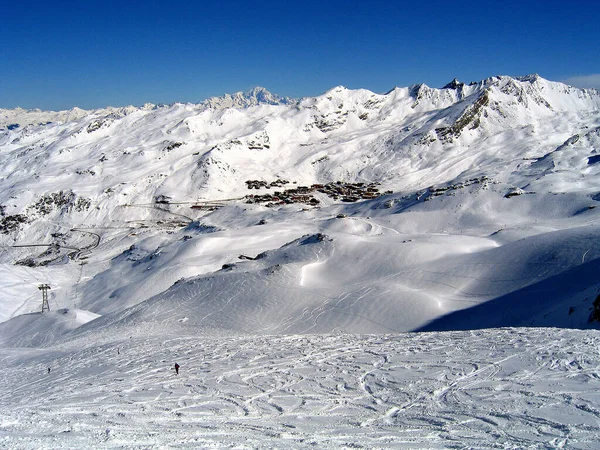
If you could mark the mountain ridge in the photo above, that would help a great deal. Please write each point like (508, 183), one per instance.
(241, 99)
(128, 201)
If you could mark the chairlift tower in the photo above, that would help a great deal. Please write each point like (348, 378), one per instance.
(44, 288)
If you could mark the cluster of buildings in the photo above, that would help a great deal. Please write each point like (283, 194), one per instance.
(339, 190)
(350, 192)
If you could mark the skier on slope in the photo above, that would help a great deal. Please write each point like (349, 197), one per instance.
(176, 369)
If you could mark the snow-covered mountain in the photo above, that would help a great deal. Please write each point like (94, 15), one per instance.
(254, 97)
(452, 198)
(274, 231)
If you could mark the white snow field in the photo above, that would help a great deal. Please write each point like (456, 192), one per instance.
(501, 388)
(415, 269)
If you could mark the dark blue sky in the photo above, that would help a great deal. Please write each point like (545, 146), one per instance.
(60, 54)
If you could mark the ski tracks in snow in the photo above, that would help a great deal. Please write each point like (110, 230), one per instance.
(498, 388)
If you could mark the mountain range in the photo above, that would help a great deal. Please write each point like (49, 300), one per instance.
(400, 270)
(417, 203)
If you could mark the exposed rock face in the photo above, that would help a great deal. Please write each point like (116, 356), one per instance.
(63, 200)
(9, 224)
(454, 84)
(470, 118)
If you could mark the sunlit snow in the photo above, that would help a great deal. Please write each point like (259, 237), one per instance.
(455, 304)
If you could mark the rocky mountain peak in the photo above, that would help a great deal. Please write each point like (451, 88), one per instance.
(531, 78)
(454, 84)
(254, 97)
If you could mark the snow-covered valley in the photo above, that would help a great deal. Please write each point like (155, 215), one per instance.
(379, 270)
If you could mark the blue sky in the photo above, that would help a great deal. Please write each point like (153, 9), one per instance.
(60, 54)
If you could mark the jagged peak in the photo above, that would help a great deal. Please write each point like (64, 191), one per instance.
(415, 89)
(532, 78)
(253, 97)
(491, 80)
(454, 84)
(336, 89)
(418, 86)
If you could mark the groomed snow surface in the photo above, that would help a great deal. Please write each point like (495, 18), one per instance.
(502, 388)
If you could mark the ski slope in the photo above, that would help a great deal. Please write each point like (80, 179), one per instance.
(497, 388)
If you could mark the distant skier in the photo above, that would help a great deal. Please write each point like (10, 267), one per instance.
(48, 369)
(176, 369)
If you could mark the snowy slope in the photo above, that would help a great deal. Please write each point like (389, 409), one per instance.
(279, 249)
(482, 183)
(510, 388)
